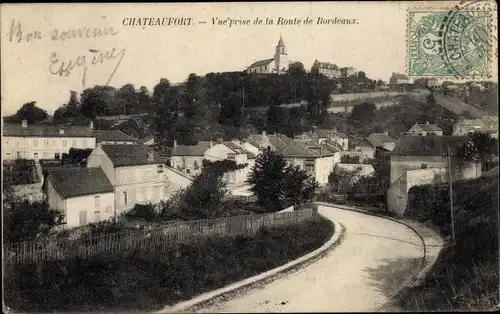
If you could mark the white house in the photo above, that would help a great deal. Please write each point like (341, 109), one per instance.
(83, 195)
(42, 141)
(418, 160)
(329, 70)
(189, 158)
(138, 174)
(425, 129)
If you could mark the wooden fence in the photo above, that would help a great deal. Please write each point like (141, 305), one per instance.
(150, 240)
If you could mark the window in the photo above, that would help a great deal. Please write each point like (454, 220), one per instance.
(35, 143)
(97, 201)
(83, 217)
(125, 198)
(123, 177)
(84, 143)
(108, 210)
(46, 143)
(97, 216)
(65, 143)
(160, 168)
(57, 156)
(148, 175)
(423, 166)
(231, 156)
(188, 171)
(149, 193)
(138, 175)
(17, 143)
(139, 195)
(73, 143)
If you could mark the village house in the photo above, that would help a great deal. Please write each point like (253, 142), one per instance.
(112, 137)
(42, 141)
(425, 129)
(189, 158)
(418, 160)
(138, 174)
(317, 159)
(83, 195)
(329, 70)
(398, 79)
(487, 124)
(348, 72)
(375, 142)
(337, 139)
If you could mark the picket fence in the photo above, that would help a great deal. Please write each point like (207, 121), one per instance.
(157, 239)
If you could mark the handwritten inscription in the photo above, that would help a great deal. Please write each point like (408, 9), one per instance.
(17, 33)
(61, 67)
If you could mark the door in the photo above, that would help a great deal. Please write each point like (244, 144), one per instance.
(35, 156)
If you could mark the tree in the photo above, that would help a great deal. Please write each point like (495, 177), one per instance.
(160, 90)
(363, 113)
(268, 179)
(203, 198)
(25, 221)
(296, 69)
(299, 186)
(481, 148)
(98, 101)
(342, 179)
(362, 75)
(29, 112)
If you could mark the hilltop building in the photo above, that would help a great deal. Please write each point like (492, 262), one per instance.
(279, 64)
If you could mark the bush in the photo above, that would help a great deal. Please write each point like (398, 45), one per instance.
(147, 281)
(144, 212)
(465, 276)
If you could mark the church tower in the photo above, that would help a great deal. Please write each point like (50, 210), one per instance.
(281, 57)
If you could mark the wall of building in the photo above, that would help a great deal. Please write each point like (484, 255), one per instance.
(268, 68)
(88, 205)
(45, 147)
(367, 151)
(53, 199)
(142, 184)
(191, 165)
(99, 159)
(406, 172)
(323, 167)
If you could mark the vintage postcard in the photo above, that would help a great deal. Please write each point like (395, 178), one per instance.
(250, 157)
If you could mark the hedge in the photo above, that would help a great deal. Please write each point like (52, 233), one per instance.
(150, 281)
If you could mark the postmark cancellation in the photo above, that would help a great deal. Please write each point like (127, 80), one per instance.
(454, 42)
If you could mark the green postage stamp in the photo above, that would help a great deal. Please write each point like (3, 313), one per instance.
(454, 42)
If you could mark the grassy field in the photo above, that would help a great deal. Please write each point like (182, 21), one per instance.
(465, 276)
(150, 281)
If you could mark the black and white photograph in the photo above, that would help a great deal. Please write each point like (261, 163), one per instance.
(250, 157)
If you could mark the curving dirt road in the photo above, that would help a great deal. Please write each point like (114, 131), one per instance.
(361, 274)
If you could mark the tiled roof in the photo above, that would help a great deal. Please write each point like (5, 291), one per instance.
(112, 136)
(193, 150)
(78, 181)
(250, 155)
(261, 63)
(367, 142)
(409, 145)
(131, 155)
(45, 130)
(429, 127)
(380, 138)
(299, 148)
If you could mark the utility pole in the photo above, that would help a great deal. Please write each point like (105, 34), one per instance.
(124, 113)
(243, 107)
(451, 197)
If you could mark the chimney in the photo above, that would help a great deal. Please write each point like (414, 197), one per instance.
(263, 133)
(61, 131)
(150, 156)
(91, 125)
(211, 144)
(24, 123)
(386, 132)
(314, 129)
(427, 122)
(175, 143)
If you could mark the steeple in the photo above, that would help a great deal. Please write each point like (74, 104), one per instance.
(280, 42)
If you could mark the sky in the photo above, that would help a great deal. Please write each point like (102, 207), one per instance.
(31, 57)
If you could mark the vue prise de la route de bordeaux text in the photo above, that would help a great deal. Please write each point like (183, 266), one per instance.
(232, 22)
